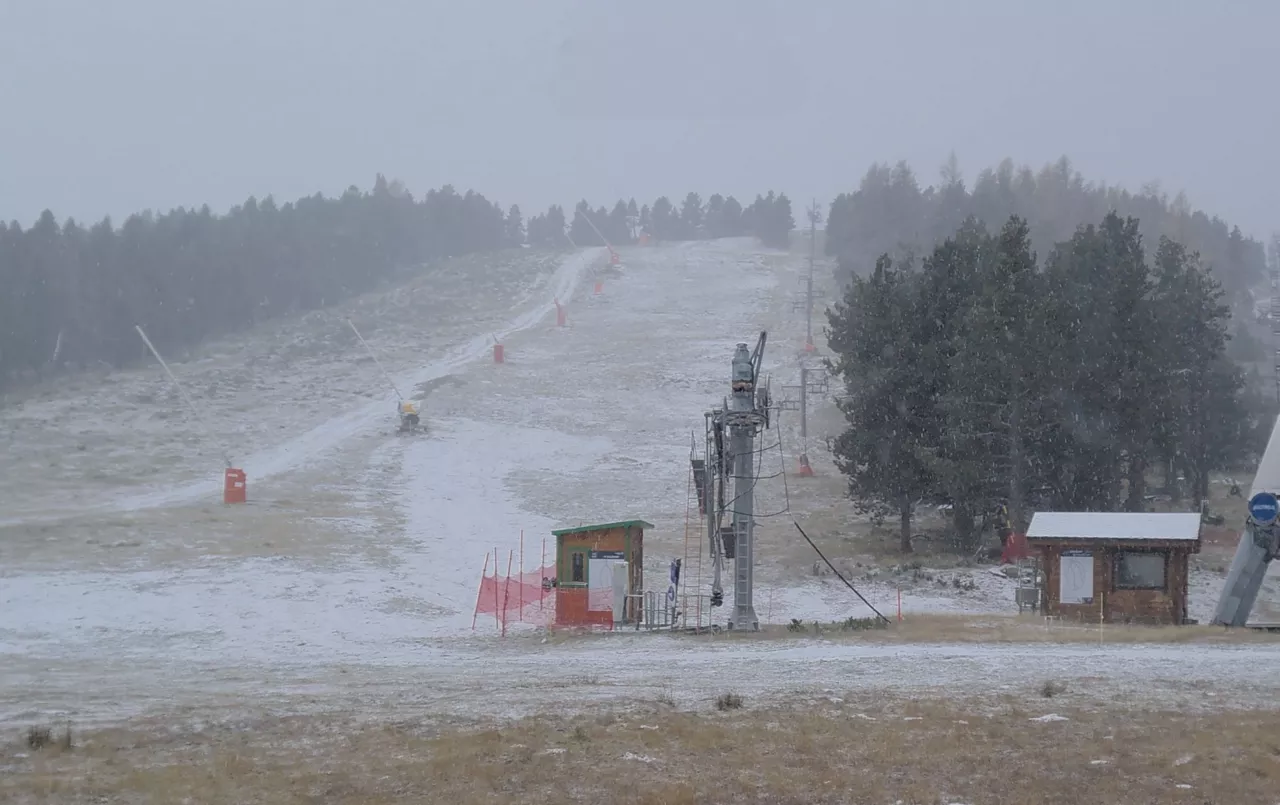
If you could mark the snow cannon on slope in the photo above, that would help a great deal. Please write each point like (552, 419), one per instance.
(409, 421)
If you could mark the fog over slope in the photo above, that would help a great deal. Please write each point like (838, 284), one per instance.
(545, 103)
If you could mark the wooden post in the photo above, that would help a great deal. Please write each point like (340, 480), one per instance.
(542, 596)
(899, 605)
(496, 620)
(506, 593)
(480, 593)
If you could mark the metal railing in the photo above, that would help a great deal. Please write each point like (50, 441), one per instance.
(653, 611)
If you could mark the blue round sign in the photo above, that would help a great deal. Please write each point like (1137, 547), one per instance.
(1264, 508)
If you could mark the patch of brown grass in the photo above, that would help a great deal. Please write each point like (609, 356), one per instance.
(913, 752)
(945, 628)
(1035, 629)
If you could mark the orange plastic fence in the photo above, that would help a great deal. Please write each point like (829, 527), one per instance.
(517, 598)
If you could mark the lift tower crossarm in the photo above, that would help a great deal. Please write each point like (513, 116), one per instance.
(757, 357)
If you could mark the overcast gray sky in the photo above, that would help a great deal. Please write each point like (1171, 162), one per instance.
(114, 107)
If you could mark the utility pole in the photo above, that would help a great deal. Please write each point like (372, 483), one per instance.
(814, 215)
(804, 407)
(806, 471)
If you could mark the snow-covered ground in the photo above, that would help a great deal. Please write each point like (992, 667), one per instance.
(350, 579)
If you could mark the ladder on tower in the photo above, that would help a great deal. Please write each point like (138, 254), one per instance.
(694, 605)
(741, 576)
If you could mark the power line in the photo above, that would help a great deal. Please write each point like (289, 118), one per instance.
(787, 492)
(837, 572)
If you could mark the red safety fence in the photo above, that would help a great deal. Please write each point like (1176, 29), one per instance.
(1015, 548)
(515, 596)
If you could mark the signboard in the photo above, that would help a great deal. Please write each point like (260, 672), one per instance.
(1075, 577)
(600, 579)
(1264, 508)
(621, 583)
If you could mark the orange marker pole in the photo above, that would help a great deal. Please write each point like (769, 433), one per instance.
(496, 620)
(506, 593)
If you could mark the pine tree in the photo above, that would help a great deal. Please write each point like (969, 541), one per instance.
(513, 230)
(998, 375)
(883, 451)
(618, 230)
(663, 220)
(1203, 390)
(732, 215)
(691, 217)
(948, 289)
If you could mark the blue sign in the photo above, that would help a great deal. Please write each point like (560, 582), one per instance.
(675, 582)
(1264, 508)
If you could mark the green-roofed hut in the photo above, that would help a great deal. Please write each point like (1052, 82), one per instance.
(599, 573)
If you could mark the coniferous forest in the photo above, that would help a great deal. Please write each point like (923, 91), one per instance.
(890, 213)
(72, 293)
(984, 376)
(1040, 342)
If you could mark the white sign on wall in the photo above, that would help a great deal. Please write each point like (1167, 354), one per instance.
(1075, 577)
(621, 586)
(600, 579)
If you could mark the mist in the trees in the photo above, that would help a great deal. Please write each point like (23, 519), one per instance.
(983, 377)
(73, 295)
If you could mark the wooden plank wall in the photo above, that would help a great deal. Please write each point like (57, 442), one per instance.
(1122, 606)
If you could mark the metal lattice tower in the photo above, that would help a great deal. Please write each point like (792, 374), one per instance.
(731, 462)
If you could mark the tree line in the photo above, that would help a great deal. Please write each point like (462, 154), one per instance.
(890, 213)
(980, 377)
(769, 218)
(72, 293)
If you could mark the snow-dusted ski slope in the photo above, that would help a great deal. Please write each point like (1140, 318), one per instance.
(297, 451)
(585, 423)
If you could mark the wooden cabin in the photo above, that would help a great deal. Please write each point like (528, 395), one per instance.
(1117, 567)
(597, 568)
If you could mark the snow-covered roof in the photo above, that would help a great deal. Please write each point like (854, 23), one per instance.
(1114, 525)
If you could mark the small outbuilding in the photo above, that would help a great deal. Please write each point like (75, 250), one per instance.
(599, 573)
(1120, 567)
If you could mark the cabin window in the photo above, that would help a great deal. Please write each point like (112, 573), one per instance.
(577, 568)
(1141, 570)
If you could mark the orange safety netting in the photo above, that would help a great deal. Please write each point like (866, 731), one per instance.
(517, 598)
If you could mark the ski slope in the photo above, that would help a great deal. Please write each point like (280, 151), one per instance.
(280, 456)
(350, 582)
